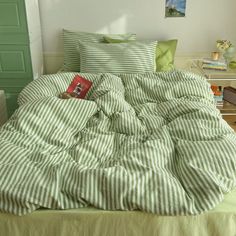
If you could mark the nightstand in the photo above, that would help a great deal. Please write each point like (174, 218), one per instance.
(221, 78)
(3, 108)
(231, 120)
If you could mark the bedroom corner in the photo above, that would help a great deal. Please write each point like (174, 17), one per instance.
(117, 118)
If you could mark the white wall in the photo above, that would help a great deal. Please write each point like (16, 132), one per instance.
(205, 21)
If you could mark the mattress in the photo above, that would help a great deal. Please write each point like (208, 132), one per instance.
(91, 221)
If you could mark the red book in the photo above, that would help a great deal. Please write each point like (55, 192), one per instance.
(79, 87)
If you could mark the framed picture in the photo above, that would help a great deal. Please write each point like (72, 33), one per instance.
(175, 8)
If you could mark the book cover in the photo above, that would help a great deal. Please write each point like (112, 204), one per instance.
(214, 62)
(218, 99)
(230, 94)
(218, 94)
(79, 87)
(217, 90)
(212, 67)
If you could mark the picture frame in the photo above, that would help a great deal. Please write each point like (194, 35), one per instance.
(175, 8)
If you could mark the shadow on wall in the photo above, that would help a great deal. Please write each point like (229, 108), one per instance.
(195, 32)
(103, 16)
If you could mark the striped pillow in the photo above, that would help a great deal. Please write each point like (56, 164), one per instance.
(133, 57)
(71, 38)
(165, 52)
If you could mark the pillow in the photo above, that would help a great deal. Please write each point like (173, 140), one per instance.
(133, 57)
(71, 38)
(108, 39)
(165, 52)
(165, 55)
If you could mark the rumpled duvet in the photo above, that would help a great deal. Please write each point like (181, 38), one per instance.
(152, 142)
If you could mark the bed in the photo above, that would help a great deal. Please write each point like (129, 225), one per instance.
(143, 152)
(90, 221)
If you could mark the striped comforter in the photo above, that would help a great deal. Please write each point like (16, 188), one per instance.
(151, 142)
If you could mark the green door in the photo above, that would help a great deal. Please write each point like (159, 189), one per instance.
(15, 59)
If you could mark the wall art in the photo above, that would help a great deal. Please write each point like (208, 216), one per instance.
(175, 8)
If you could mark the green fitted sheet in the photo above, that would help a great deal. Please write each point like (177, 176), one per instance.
(90, 221)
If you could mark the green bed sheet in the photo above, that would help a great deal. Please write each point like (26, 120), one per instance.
(220, 221)
(152, 142)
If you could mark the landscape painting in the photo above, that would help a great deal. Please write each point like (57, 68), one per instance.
(175, 8)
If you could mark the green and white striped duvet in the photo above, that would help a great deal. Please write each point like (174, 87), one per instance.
(153, 142)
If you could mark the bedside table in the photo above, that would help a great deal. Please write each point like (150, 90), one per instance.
(220, 78)
(231, 120)
(3, 108)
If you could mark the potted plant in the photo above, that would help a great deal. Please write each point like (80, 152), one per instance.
(227, 49)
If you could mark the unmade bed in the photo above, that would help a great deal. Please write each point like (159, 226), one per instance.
(146, 152)
(153, 144)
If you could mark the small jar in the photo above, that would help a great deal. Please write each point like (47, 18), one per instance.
(215, 56)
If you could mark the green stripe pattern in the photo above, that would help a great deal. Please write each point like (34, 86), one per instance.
(129, 58)
(71, 38)
(153, 142)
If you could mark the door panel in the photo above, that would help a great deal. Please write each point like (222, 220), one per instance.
(12, 16)
(15, 62)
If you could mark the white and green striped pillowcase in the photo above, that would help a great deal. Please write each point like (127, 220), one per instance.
(71, 38)
(133, 57)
